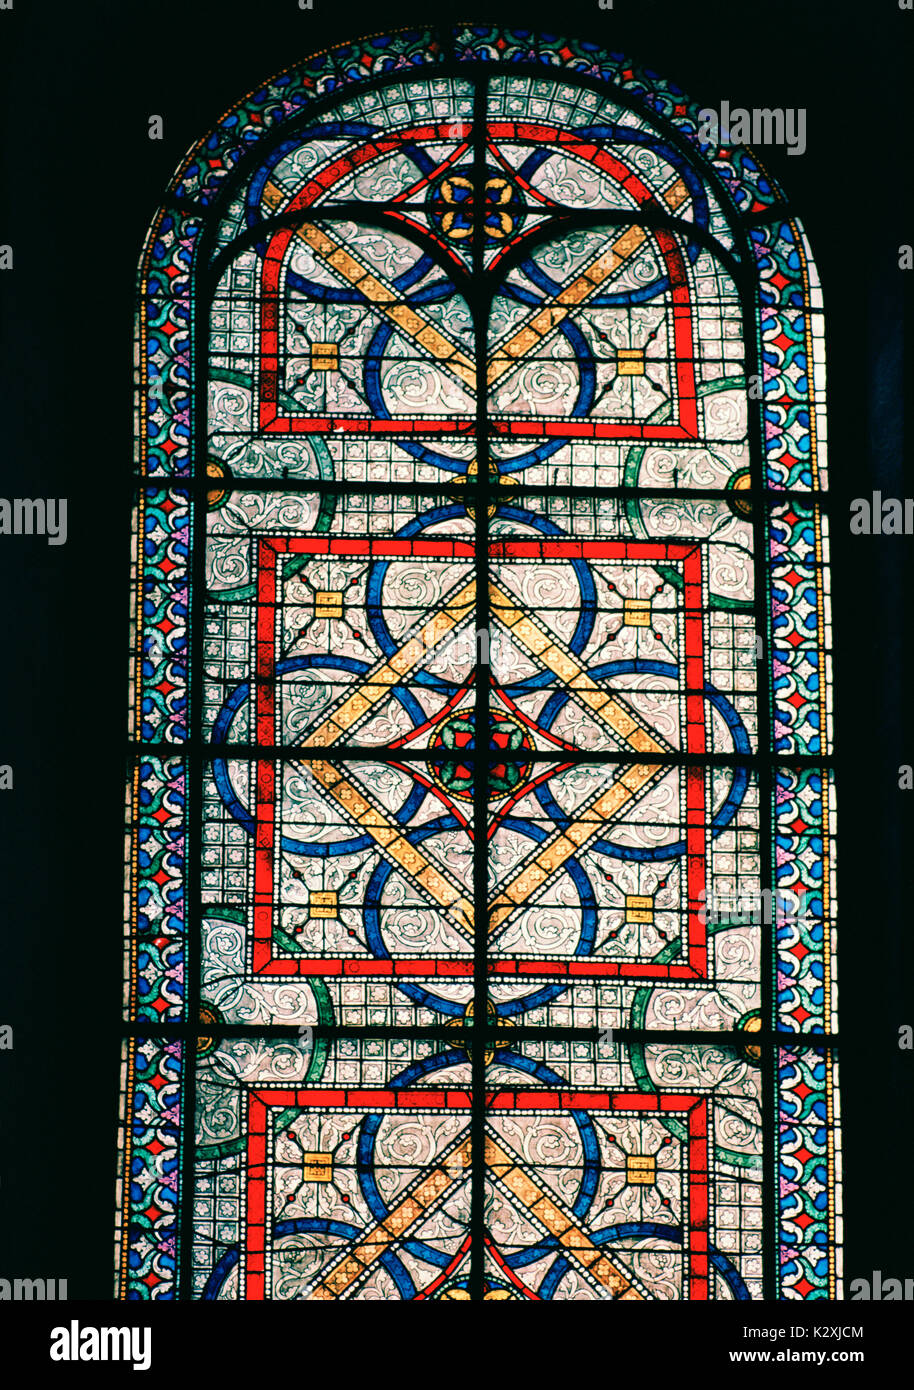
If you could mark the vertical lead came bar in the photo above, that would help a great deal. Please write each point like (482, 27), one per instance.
(480, 311)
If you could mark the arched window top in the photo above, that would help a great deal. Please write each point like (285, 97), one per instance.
(601, 82)
(573, 152)
(573, 133)
(481, 708)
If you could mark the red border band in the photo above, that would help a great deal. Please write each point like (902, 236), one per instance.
(692, 1107)
(695, 967)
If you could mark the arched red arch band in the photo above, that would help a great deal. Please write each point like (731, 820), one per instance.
(273, 421)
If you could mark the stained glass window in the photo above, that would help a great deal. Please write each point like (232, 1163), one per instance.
(479, 858)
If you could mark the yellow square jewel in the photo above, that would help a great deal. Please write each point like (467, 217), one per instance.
(638, 908)
(322, 904)
(630, 361)
(317, 1167)
(328, 603)
(641, 1169)
(636, 612)
(325, 357)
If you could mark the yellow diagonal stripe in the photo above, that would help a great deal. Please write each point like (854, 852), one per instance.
(399, 1220)
(562, 844)
(554, 655)
(575, 1242)
(547, 317)
(632, 782)
(383, 296)
(386, 833)
(376, 684)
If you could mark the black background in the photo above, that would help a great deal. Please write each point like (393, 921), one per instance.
(79, 184)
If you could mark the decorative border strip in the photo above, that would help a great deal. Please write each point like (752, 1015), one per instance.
(149, 1172)
(163, 345)
(792, 357)
(808, 1167)
(159, 631)
(800, 629)
(156, 891)
(805, 864)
